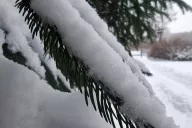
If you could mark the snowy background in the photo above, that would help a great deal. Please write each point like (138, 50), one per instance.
(27, 100)
(172, 83)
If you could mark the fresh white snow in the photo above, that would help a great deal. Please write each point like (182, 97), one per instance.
(2, 40)
(90, 15)
(26, 101)
(105, 63)
(12, 22)
(19, 39)
(38, 47)
(172, 83)
(142, 66)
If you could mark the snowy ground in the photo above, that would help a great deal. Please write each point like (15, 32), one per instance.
(172, 83)
(26, 101)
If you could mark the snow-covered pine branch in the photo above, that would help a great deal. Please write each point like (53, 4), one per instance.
(13, 23)
(15, 32)
(91, 16)
(29, 102)
(105, 63)
(38, 47)
(143, 67)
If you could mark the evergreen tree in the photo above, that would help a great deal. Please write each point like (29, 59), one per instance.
(132, 21)
(128, 20)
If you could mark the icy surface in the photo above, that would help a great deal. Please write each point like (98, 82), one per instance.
(28, 102)
(104, 62)
(172, 83)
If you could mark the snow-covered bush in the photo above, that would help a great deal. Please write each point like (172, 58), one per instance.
(159, 50)
(181, 49)
(172, 49)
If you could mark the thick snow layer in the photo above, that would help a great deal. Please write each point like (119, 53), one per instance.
(172, 82)
(38, 47)
(12, 22)
(141, 66)
(28, 102)
(2, 40)
(18, 43)
(19, 39)
(17, 95)
(103, 61)
(91, 16)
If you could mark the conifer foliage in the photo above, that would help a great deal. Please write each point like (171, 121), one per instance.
(128, 20)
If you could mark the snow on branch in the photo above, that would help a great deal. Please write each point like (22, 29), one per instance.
(13, 23)
(143, 67)
(2, 40)
(105, 63)
(18, 39)
(91, 16)
(38, 47)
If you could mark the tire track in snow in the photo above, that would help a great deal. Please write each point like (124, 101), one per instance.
(174, 90)
(171, 73)
(176, 93)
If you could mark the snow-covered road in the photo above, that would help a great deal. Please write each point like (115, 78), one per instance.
(172, 83)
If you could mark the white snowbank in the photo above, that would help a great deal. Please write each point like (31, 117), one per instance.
(173, 88)
(28, 102)
(103, 61)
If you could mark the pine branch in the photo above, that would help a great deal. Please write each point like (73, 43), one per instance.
(129, 18)
(20, 59)
(182, 5)
(103, 100)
